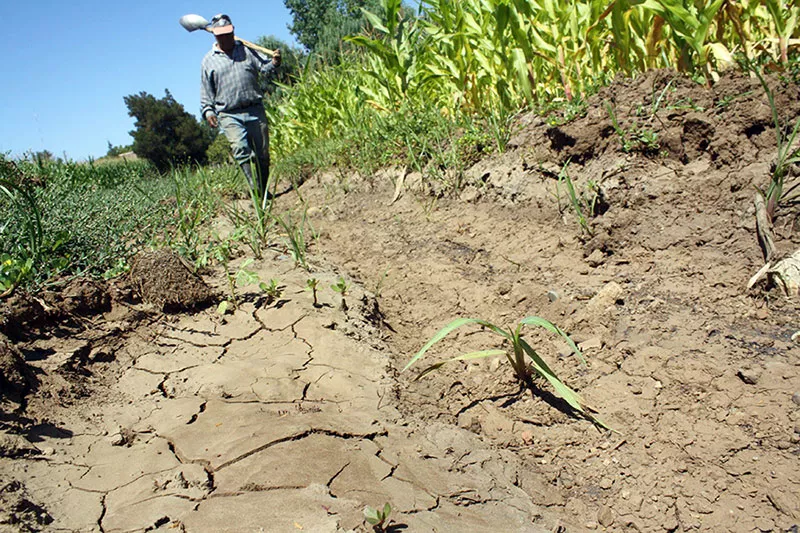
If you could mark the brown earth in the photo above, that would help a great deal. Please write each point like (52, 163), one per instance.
(285, 416)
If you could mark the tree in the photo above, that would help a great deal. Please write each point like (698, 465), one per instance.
(291, 64)
(320, 25)
(165, 133)
(115, 151)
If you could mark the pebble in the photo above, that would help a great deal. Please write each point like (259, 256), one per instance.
(606, 483)
(796, 337)
(595, 259)
(605, 517)
(552, 296)
(749, 375)
(796, 398)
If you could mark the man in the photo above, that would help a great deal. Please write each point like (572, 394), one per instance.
(230, 97)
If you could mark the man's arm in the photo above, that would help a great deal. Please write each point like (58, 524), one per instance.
(207, 92)
(268, 67)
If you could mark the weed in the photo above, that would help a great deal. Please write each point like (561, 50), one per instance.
(523, 370)
(578, 203)
(636, 138)
(272, 290)
(311, 285)
(342, 287)
(295, 236)
(378, 518)
(240, 278)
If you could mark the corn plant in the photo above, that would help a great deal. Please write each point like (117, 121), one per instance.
(576, 201)
(523, 368)
(788, 155)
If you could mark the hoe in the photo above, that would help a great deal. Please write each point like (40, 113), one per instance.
(196, 22)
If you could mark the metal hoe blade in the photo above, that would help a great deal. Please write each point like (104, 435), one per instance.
(194, 22)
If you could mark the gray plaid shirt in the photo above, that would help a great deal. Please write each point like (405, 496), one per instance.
(231, 83)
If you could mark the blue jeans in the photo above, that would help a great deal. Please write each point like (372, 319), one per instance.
(247, 131)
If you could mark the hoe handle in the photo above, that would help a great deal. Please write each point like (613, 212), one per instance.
(249, 45)
(255, 47)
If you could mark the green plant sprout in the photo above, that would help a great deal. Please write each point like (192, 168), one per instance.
(378, 518)
(575, 200)
(341, 286)
(523, 370)
(236, 280)
(272, 290)
(311, 285)
(788, 155)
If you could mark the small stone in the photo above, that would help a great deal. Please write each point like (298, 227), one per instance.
(762, 313)
(595, 259)
(605, 517)
(797, 429)
(527, 437)
(590, 525)
(796, 398)
(552, 296)
(595, 343)
(606, 483)
(749, 375)
(635, 388)
(796, 337)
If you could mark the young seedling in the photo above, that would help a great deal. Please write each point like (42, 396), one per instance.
(523, 369)
(341, 287)
(271, 290)
(240, 278)
(378, 518)
(311, 285)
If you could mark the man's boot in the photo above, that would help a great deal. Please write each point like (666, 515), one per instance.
(248, 173)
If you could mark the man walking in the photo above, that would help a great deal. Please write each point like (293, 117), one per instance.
(230, 97)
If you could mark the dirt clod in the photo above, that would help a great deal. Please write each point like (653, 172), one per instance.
(161, 278)
(16, 378)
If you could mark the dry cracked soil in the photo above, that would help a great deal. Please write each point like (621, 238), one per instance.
(290, 416)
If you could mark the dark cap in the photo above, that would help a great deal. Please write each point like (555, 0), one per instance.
(221, 24)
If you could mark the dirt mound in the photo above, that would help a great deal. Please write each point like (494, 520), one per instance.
(19, 314)
(16, 378)
(162, 278)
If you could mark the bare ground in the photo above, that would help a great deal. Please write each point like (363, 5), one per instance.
(287, 417)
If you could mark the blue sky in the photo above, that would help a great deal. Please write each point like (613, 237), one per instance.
(69, 64)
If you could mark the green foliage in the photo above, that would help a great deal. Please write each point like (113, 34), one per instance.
(341, 286)
(165, 133)
(576, 201)
(311, 285)
(116, 151)
(788, 154)
(219, 151)
(378, 518)
(523, 369)
(320, 25)
(272, 290)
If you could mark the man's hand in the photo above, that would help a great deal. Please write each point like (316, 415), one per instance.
(211, 118)
(276, 57)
